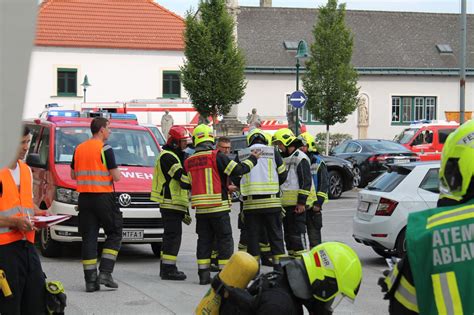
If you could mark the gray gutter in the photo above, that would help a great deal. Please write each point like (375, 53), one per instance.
(369, 71)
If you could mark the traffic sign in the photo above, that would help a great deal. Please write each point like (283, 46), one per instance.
(298, 99)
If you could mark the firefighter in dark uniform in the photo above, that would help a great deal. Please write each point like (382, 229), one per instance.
(208, 171)
(95, 170)
(318, 282)
(261, 197)
(19, 262)
(319, 173)
(171, 189)
(297, 190)
(436, 276)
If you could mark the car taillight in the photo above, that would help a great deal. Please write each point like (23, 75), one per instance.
(386, 207)
(378, 158)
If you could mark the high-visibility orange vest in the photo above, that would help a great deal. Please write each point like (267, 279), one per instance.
(14, 203)
(206, 188)
(92, 174)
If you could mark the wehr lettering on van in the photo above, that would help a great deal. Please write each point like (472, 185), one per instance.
(137, 175)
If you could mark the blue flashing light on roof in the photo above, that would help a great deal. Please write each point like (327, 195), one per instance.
(123, 116)
(63, 113)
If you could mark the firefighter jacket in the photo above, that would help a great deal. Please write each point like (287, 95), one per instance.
(16, 203)
(90, 168)
(319, 173)
(170, 182)
(261, 187)
(208, 171)
(440, 247)
(299, 183)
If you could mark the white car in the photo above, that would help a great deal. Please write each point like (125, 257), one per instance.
(383, 207)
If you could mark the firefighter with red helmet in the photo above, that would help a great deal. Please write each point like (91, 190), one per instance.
(208, 170)
(171, 188)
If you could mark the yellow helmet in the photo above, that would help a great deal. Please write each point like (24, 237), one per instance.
(285, 136)
(255, 134)
(308, 140)
(333, 269)
(202, 133)
(457, 168)
(268, 137)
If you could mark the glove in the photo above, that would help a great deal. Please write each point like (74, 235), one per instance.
(187, 218)
(55, 297)
(381, 281)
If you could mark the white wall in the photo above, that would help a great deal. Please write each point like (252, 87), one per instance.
(268, 92)
(114, 75)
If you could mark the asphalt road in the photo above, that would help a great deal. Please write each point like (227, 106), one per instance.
(141, 290)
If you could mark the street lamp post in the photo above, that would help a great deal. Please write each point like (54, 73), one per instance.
(302, 52)
(85, 84)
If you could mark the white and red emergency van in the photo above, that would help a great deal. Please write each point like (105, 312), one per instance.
(426, 138)
(55, 137)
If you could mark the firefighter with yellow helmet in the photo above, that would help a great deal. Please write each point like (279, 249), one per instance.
(208, 170)
(436, 275)
(260, 190)
(319, 173)
(318, 282)
(296, 190)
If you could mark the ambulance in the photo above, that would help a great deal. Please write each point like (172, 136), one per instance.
(55, 135)
(426, 138)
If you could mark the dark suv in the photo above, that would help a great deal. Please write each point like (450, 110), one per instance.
(340, 170)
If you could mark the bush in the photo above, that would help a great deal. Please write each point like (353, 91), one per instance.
(334, 140)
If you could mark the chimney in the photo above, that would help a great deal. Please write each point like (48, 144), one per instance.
(266, 3)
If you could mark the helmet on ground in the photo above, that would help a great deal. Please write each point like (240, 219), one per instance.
(285, 136)
(254, 135)
(457, 167)
(309, 141)
(202, 133)
(334, 269)
(177, 133)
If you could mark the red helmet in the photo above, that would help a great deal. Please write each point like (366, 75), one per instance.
(177, 133)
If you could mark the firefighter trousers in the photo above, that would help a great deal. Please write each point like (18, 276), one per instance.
(294, 226)
(208, 227)
(99, 210)
(314, 224)
(172, 225)
(26, 279)
(269, 223)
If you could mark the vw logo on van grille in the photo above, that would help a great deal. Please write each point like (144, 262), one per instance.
(125, 200)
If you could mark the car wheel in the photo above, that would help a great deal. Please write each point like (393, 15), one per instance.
(401, 245)
(335, 185)
(156, 248)
(357, 176)
(48, 246)
(385, 253)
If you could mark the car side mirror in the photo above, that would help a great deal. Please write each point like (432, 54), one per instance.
(33, 160)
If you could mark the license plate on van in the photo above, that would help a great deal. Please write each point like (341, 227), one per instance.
(363, 206)
(135, 235)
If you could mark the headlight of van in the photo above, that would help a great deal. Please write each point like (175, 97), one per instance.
(67, 195)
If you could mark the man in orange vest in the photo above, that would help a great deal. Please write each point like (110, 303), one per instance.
(95, 170)
(18, 257)
(209, 170)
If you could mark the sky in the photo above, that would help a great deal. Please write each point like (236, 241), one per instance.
(446, 6)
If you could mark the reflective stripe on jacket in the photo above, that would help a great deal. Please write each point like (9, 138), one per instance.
(179, 197)
(16, 203)
(291, 187)
(206, 189)
(90, 168)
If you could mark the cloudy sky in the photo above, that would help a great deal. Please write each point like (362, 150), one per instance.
(449, 6)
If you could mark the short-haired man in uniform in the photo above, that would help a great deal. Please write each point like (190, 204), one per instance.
(95, 170)
(18, 257)
(208, 170)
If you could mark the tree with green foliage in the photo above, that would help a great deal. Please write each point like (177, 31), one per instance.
(330, 81)
(213, 74)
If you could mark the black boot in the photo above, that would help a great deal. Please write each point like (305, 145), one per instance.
(107, 280)
(171, 272)
(266, 260)
(92, 281)
(204, 276)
